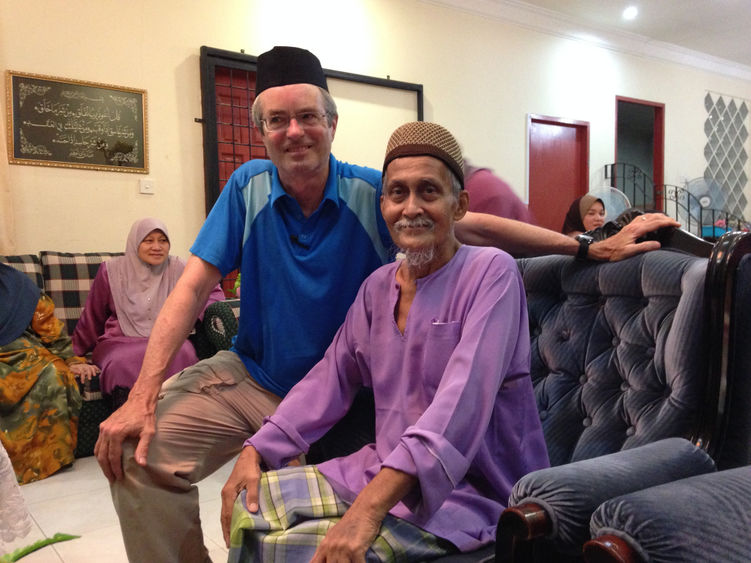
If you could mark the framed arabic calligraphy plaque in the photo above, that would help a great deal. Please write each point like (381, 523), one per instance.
(75, 124)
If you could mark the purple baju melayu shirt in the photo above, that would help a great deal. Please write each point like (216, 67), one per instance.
(453, 396)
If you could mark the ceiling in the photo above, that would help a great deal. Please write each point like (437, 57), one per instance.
(713, 34)
(716, 27)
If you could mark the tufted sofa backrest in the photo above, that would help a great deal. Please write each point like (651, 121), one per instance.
(619, 354)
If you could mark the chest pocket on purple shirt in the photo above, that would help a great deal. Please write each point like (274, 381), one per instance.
(442, 338)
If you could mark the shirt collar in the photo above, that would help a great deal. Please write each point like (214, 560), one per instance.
(330, 192)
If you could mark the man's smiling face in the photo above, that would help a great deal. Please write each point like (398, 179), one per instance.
(297, 149)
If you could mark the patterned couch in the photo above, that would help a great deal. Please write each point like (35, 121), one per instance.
(66, 277)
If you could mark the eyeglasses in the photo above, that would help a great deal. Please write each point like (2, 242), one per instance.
(304, 119)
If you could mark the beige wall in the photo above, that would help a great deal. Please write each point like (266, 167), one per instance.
(481, 78)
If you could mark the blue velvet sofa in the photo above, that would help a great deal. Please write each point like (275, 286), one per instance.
(671, 362)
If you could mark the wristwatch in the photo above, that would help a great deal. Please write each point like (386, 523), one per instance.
(584, 241)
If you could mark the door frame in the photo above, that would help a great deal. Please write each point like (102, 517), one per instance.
(658, 140)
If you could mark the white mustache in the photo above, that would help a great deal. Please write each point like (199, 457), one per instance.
(419, 223)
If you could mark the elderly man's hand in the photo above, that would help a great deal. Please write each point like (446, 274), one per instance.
(134, 419)
(623, 244)
(350, 538)
(245, 475)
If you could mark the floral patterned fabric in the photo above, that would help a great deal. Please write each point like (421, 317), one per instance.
(39, 397)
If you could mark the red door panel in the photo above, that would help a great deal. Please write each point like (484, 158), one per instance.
(558, 167)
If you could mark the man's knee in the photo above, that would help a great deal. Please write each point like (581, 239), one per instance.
(223, 369)
(158, 472)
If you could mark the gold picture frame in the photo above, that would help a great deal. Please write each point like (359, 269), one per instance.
(76, 124)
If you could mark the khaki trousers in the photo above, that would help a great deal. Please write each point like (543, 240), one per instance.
(203, 416)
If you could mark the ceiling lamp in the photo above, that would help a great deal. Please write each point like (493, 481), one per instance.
(630, 13)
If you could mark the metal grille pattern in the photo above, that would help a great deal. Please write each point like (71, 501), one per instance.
(726, 150)
(237, 140)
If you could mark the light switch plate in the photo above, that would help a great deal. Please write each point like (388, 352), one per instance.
(146, 185)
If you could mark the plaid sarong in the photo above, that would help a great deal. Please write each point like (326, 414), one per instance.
(297, 506)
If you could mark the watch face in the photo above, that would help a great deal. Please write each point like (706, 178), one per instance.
(585, 238)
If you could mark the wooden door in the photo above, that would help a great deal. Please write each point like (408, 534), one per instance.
(558, 167)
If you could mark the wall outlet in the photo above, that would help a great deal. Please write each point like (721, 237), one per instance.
(146, 185)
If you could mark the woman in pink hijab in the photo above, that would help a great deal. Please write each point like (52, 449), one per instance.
(123, 303)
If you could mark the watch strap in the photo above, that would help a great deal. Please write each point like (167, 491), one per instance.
(584, 242)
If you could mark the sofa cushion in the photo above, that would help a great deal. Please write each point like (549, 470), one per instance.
(67, 280)
(29, 264)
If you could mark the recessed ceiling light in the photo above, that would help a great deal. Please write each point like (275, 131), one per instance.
(630, 13)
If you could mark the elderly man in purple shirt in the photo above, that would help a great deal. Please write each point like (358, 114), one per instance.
(441, 337)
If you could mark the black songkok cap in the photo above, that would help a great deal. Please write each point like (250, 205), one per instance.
(288, 65)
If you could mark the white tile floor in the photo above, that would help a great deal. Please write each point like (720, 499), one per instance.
(77, 501)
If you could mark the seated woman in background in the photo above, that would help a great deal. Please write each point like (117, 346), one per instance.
(125, 298)
(586, 213)
(39, 397)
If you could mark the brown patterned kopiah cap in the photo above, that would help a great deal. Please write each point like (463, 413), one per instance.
(420, 138)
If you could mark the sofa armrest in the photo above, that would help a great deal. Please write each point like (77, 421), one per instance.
(700, 518)
(569, 494)
(610, 548)
(520, 532)
(526, 521)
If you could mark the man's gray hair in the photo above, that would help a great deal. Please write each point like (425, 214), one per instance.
(329, 107)
(456, 186)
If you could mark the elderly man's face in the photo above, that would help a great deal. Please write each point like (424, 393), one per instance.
(298, 149)
(419, 206)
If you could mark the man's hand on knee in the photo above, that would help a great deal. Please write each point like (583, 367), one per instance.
(133, 419)
(350, 538)
(245, 475)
